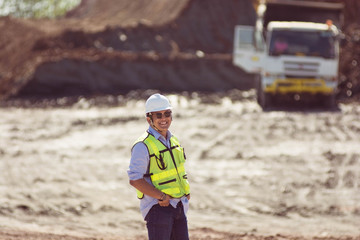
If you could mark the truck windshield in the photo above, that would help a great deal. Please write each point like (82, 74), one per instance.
(302, 43)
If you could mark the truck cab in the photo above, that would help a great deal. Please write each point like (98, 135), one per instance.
(291, 59)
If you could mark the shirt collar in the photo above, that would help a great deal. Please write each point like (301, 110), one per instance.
(157, 135)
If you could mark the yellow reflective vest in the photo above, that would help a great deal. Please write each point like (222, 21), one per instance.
(166, 166)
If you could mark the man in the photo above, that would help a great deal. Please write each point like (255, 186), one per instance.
(157, 172)
(280, 46)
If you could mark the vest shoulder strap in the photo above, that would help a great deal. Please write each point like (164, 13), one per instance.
(142, 137)
(154, 148)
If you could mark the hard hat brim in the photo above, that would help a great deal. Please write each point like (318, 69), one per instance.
(159, 109)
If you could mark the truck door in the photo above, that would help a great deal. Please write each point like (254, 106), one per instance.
(249, 49)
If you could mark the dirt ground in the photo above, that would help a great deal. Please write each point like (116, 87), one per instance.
(281, 174)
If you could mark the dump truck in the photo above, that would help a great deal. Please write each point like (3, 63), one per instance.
(292, 50)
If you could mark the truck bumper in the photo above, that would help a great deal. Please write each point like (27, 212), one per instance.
(301, 86)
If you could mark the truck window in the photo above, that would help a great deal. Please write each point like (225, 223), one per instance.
(246, 37)
(302, 43)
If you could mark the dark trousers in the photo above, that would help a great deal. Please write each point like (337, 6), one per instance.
(167, 223)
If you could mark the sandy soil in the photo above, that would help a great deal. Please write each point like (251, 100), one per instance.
(282, 174)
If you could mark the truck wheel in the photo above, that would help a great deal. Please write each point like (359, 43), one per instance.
(260, 96)
(265, 100)
(258, 88)
(268, 100)
(330, 101)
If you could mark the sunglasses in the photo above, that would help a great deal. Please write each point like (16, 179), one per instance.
(159, 115)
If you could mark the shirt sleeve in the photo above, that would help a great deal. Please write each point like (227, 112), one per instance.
(139, 161)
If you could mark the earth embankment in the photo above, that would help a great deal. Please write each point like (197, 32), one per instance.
(175, 45)
(110, 46)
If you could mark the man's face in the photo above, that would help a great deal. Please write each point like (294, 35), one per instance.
(161, 120)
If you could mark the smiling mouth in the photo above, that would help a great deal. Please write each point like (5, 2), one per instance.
(163, 123)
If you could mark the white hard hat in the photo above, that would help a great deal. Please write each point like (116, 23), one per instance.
(157, 102)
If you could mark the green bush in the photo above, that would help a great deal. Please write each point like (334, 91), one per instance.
(36, 8)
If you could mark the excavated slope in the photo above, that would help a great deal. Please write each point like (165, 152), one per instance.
(114, 46)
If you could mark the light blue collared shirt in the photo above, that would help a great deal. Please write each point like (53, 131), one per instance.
(138, 166)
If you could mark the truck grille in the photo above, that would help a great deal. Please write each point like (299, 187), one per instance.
(301, 68)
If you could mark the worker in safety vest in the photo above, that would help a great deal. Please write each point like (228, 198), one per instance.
(157, 172)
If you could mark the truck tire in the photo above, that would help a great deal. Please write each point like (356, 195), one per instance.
(263, 99)
(330, 101)
(258, 87)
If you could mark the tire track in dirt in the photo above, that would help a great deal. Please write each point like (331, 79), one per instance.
(220, 137)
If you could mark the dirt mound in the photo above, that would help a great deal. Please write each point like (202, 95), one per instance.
(89, 53)
(113, 47)
(127, 13)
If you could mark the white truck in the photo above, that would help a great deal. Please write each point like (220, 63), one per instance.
(293, 50)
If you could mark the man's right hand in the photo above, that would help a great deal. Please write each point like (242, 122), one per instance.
(165, 202)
